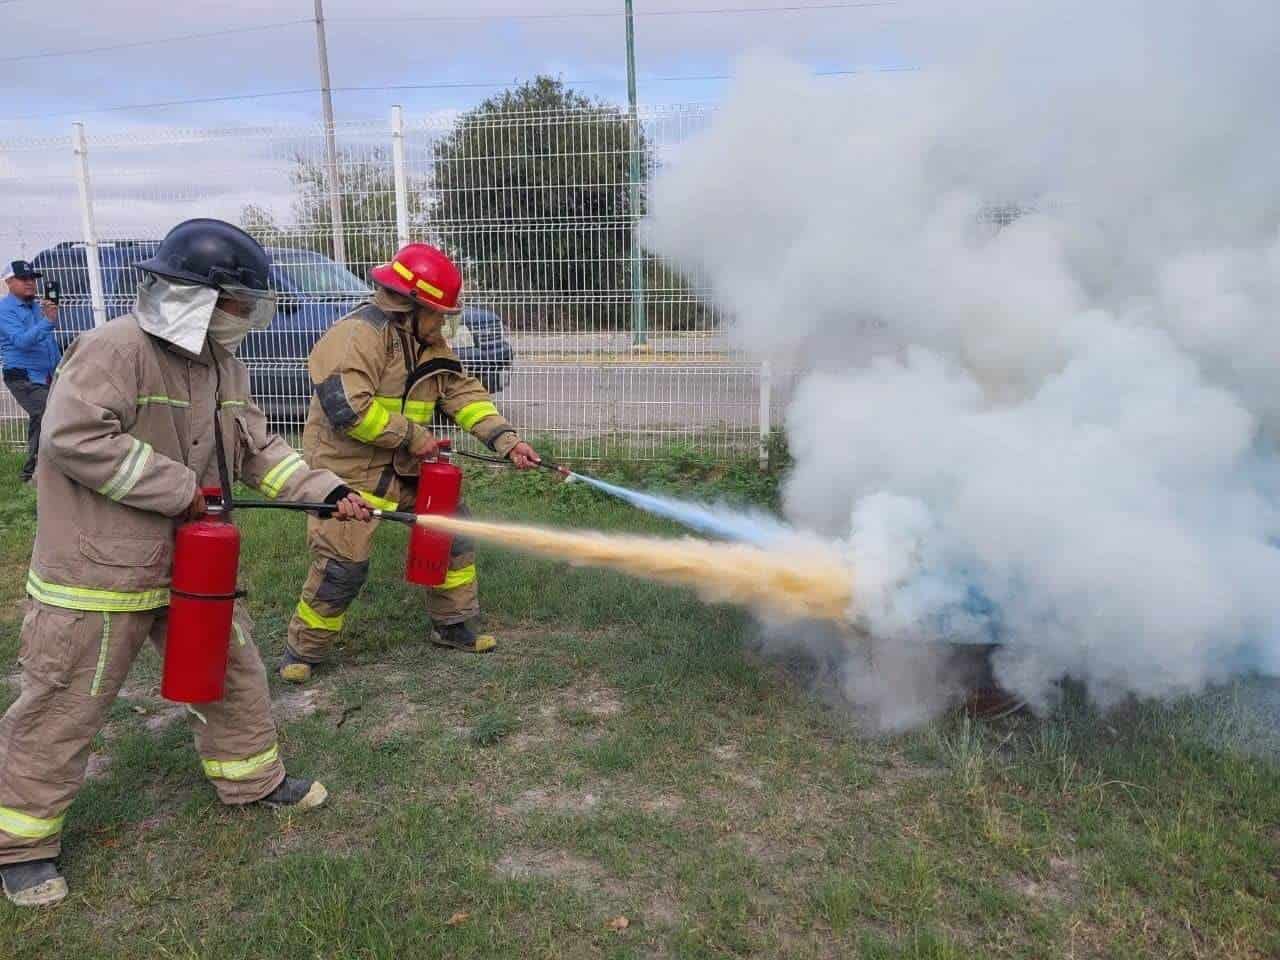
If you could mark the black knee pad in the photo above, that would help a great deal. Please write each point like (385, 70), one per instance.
(342, 581)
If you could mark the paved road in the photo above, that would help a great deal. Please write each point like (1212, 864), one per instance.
(699, 402)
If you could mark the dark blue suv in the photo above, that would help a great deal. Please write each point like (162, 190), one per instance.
(314, 292)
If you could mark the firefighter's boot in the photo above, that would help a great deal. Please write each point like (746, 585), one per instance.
(460, 636)
(293, 669)
(296, 793)
(35, 883)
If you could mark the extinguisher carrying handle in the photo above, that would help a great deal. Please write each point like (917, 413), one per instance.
(321, 509)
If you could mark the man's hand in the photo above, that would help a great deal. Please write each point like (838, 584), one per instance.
(524, 456)
(50, 312)
(353, 507)
(424, 444)
(196, 509)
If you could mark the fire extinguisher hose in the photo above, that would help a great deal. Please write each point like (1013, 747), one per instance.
(322, 509)
(504, 462)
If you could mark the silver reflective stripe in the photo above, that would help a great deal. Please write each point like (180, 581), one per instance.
(129, 472)
(102, 655)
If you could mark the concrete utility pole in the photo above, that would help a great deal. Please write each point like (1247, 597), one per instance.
(330, 146)
(639, 335)
(88, 227)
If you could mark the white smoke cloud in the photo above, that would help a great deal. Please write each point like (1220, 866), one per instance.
(1064, 441)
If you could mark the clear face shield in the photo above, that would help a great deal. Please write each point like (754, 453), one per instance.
(240, 310)
(257, 308)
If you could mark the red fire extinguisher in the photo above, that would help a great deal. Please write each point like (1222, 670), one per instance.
(206, 557)
(439, 490)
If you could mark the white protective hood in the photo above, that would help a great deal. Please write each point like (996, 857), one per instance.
(176, 312)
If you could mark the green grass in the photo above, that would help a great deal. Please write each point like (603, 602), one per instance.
(621, 755)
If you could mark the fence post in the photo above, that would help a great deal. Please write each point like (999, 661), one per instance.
(639, 333)
(766, 410)
(402, 186)
(90, 231)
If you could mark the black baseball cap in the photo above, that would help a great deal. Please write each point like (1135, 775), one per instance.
(22, 270)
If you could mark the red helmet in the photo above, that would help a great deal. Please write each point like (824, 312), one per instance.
(424, 273)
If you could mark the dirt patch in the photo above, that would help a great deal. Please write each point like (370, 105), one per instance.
(600, 702)
(296, 704)
(590, 700)
(891, 779)
(159, 719)
(725, 753)
(660, 910)
(522, 742)
(141, 690)
(402, 719)
(761, 848)
(1058, 885)
(748, 780)
(523, 863)
(98, 767)
(531, 800)
(661, 804)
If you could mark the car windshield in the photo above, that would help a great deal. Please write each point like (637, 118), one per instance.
(310, 274)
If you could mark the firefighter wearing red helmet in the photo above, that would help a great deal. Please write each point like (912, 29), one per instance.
(379, 376)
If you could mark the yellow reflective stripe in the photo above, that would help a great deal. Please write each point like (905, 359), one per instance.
(308, 615)
(94, 600)
(372, 424)
(163, 401)
(473, 413)
(232, 403)
(459, 578)
(382, 503)
(418, 411)
(18, 824)
(275, 479)
(102, 655)
(401, 269)
(129, 471)
(240, 769)
(430, 289)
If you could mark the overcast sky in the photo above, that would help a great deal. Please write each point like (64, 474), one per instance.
(488, 43)
(108, 62)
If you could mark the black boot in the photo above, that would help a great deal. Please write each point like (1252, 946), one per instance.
(460, 636)
(35, 883)
(296, 793)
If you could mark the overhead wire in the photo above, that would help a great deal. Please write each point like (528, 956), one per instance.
(617, 14)
(461, 85)
(447, 85)
(230, 31)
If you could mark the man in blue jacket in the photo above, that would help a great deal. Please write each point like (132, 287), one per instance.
(29, 351)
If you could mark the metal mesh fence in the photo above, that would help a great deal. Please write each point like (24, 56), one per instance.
(586, 339)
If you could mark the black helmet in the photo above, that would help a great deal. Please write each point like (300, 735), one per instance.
(211, 253)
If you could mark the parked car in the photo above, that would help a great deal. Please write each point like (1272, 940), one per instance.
(314, 292)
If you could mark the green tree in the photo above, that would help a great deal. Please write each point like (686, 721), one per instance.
(533, 192)
(367, 193)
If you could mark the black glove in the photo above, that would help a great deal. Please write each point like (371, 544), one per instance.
(338, 493)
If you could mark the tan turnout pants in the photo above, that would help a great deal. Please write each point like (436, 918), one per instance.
(73, 665)
(340, 565)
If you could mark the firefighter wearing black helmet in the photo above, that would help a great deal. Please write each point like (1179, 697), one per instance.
(128, 443)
